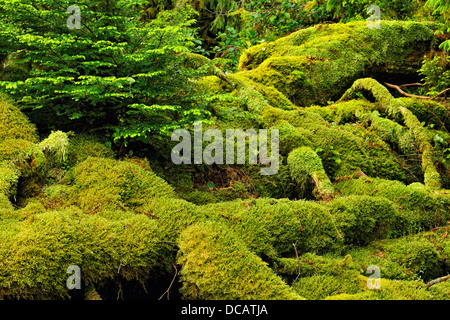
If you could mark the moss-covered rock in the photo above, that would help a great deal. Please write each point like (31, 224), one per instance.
(317, 64)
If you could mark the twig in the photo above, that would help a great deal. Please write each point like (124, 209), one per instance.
(296, 254)
(441, 279)
(299, 221)
(170, 286)
(398, 88)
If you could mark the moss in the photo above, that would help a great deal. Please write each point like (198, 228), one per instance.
(14, 124)
(22, 153)
(55, 147)
(9, 177)
(109, 182)
(344, 112)
(37, 252)
(428, 111)
(245, 89)
(390, 290)
(319, 287)
(269, 227)
(416, 257)
(82, 146)
(316, 64)
(217, 265)
(397, 111)
(362, 219)
(419, 208)
(305, 165)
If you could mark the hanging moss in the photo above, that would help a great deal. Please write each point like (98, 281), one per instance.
(217, 265)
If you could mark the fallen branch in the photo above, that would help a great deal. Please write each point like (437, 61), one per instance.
(398, 88)
(298, 260)
(170, 286)
(438, 280)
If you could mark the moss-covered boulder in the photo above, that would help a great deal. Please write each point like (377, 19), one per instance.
(317, 64)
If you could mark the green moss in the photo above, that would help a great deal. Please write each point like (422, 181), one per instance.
(319, 287)
(22, 152)
(419, 208)
(55, 147)
(317, 64)
(217, 265)
(37, 252)
(9, 177)
(396, 109)
(110, 182)
(305, 165)
(423, 256)
(13, 123)
(428, 111)
(269, 227)
(82, 146)
(362, 219)
(390, 290)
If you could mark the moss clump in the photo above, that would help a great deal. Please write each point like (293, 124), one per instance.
(317, 64)
(13, 123)
(109, 182)
(319, 287)
(55, 147)
(9, 176)
(362, 219)
(36, 252)
(83, 146)
(397, 111)
(428, 111)
(269, 227)
(305, 165)
(217, 265)
(390, 290)
(419, 208)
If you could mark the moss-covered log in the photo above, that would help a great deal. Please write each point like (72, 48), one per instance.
(217, 265)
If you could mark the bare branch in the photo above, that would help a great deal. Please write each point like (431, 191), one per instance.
(438, 280)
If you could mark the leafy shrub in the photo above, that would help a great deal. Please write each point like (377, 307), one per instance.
(116, 71)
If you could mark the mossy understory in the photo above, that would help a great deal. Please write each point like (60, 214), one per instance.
(361, 182)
